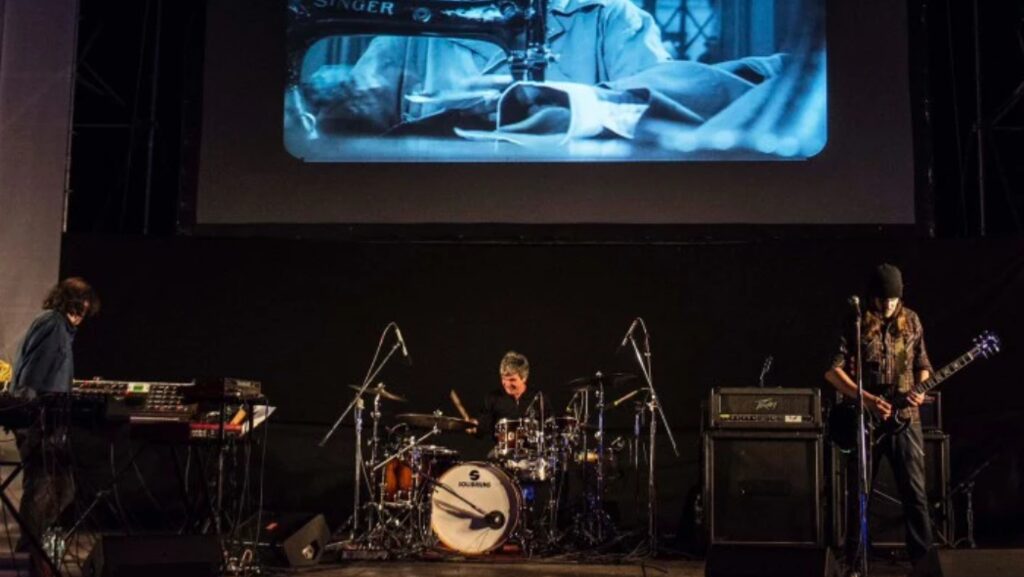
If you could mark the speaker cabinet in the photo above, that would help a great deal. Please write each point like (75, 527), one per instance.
(885, 510)
(770, 561)
(156, 556)
(972, 563)
(289, 539)
(764, 487)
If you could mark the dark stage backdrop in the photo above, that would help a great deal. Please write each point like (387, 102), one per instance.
(304, 318)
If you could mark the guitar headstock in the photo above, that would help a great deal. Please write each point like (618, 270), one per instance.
(987, 343)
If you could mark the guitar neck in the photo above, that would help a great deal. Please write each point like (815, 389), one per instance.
(947, 371)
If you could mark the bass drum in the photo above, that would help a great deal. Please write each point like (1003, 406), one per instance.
(464, 530)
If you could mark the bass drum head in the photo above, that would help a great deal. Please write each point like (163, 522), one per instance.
(457, 525)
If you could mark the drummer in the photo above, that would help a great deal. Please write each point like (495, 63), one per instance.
(511, 401)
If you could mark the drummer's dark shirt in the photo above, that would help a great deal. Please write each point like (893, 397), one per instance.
(500, 405)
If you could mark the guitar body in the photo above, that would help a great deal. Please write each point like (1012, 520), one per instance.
(842, 421)
(842, 425)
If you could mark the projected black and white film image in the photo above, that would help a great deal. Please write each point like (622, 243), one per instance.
(555, 80)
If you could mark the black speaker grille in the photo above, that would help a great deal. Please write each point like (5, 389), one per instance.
(764, 488)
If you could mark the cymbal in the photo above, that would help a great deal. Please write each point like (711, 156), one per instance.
(384, 393)
(611, 380)
(428, 421)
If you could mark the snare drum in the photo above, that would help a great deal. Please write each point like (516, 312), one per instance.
(517, 439)
(463, 529)
(400, 482)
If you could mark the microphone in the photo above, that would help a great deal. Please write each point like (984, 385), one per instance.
(767, 366)
(534, 400)
(854, 301)
(629, 332)
(401, 341)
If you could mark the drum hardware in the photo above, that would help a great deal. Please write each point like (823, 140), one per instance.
(596, 504)
(598, 379)
(654, 408)
(400, 501)
(435, 420)
(592, 523)
(356, 404)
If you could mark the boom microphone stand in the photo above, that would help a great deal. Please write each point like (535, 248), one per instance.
(357, 403)
(654, 406)
(861, 557)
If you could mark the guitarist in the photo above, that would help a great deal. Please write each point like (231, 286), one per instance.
(894, 359)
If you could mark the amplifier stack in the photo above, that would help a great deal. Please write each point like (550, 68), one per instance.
(764, 483)
(763, 467)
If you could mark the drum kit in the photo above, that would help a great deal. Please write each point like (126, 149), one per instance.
(424, 499)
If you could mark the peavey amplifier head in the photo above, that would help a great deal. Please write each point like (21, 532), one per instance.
(764, 408)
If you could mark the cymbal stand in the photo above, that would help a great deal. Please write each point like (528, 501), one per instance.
(371, 518)
(594, 524)
(967, 488)
(636, 443)
(559, 454)
(655, 409)
(388, 518)
(357, 403)
(599, 470)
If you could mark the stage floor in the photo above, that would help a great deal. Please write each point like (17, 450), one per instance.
(655, 568)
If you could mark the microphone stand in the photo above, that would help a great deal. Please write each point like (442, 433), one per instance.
(357, 404)
(861, 557)
(654, 406)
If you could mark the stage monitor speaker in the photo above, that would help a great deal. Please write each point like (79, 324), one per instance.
(156, 556)
(770, 561)
(886, 510)
(764, 487)
(972, 563)
(290, 539)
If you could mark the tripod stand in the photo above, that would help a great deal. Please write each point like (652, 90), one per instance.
(356, 404)
(656, 412)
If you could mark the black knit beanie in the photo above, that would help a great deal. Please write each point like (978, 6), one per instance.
(886, 282)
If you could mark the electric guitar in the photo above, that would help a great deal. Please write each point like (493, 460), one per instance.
(843, 419)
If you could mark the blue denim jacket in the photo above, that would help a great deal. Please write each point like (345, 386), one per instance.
(45, 363)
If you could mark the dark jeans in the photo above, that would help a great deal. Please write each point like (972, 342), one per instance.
(905, 453)
(47, 484)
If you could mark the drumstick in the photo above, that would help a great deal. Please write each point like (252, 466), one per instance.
(458, 405)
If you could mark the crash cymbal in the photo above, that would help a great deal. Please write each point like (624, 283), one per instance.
(384, 393)
(611, 380)
(429, 421)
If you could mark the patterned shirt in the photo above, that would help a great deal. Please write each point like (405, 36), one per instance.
(894, 353)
